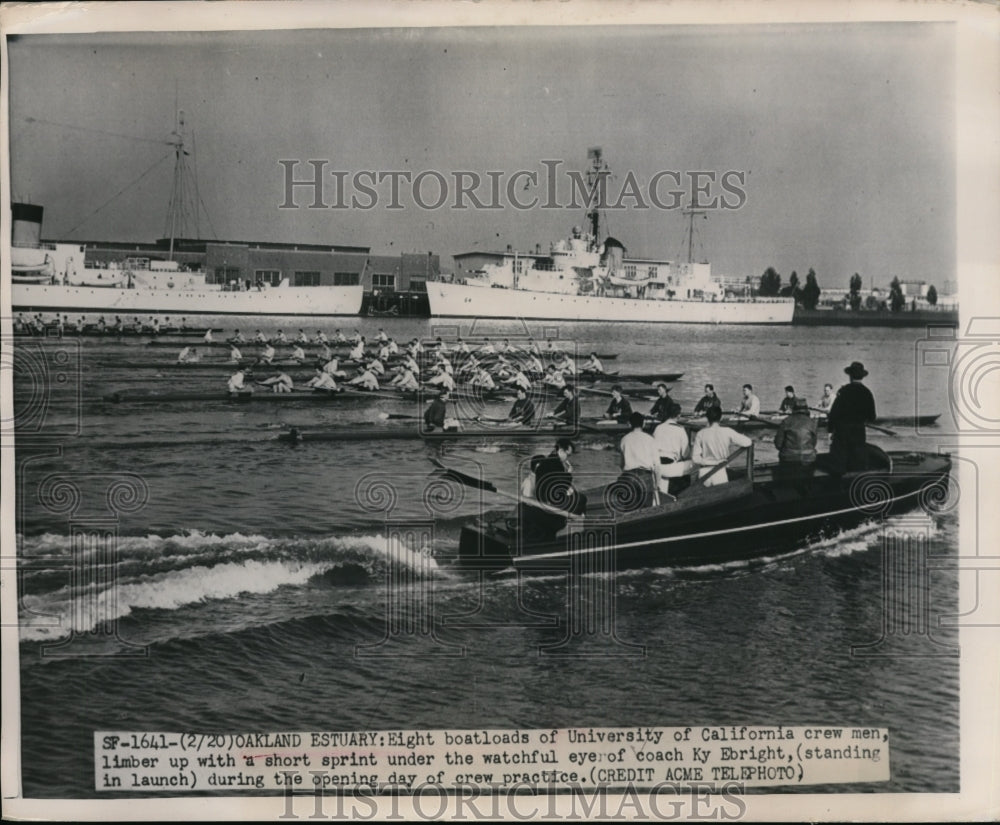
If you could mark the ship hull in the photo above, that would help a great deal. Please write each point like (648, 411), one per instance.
(318, 300)
(461, 301)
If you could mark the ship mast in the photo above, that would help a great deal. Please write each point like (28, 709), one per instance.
(691, 212)
(179, 196)
(595, 182)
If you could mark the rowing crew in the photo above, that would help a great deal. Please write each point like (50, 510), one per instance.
(750, 402)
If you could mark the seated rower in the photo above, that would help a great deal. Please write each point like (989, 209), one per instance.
(298, 354)
(321, 338)
(384, 352)
(382, 338)
(640, 466)
(280, 337)
(237, 382)
(436, 414)
(483, 379)
(393, 347)
(487, 348)
(662, 404)
(523, 411)
(674, 444)
(568, 410)
(366, 380)
(237, 337)
(302, 338)
(750, 405)
(619, 409)
(532, 348)
(411, 365)
(267, 356)
(471, 366)
(416, 348)
(332, 367)
(208, 336)
(462, 347)
(714, 444)
(357, 338)
(338, 336)
(188, 355)
(377, 366)
(505, 347)
(565, 365)
(405, 380)
(259, 337)
(358, 352)
(235, 354)
(788, 402)
(708, 401)
(554, 378)
(519, 379)
(322, 381)
(442, 347)
(442, 378)
(826, 401)
(533, 366)
(280, 382)
(325, 353)
(594, 365)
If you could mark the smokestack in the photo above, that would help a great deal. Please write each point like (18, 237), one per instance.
(26, 227)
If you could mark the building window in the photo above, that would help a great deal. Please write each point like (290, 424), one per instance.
(383, 281)
(310, 278)
(653, 271)
(228, 274)
(346, 278)
(418, 285)
(267, 276)
(630, 271)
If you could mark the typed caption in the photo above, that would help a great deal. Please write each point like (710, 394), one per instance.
(406, 761)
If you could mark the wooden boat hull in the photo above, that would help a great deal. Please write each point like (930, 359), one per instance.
(738, 521)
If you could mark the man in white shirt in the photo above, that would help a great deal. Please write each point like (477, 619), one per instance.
(236, 382)
(640, 467)
(332, 368)
(713, 445)
(298, 354)
(675, 452)
(750, 405)
(322, 381)
(235, 354)
(267, 356)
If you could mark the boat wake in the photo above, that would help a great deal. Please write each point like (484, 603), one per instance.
(173, 572)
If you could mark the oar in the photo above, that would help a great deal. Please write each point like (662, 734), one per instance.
(720, 466)
(764, 421)
(477, 484)
(875, 427)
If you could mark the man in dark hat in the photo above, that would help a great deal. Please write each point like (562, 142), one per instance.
(852, 409)
(795, 441)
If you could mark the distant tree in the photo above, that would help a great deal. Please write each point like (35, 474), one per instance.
(770, 283)
(896, 298)
(810, 292)
(931, 295)
(855, 294)
(792, 290)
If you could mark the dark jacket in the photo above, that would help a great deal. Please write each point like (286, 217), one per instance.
(568, 411)
(660, 408)
(706, 402)
(852, 408)
(523, 411)
(796, 439)
(620, 410)
(435, 414)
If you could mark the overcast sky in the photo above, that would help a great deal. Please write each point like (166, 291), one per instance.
(845, 134)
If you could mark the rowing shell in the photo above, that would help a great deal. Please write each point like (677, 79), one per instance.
(374, 432)
(772, 420)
